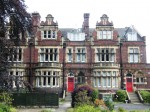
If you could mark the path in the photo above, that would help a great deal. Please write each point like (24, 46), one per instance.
(131, 106)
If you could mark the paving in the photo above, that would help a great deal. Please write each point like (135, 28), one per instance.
(131, 106)
(62, 108)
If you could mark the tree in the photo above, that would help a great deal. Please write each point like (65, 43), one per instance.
(14, 21)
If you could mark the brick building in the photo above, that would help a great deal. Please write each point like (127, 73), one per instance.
(104, 57)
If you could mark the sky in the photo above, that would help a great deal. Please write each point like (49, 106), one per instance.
(123, 13)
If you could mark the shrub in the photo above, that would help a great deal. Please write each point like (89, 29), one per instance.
(6, 98)
(46, 111)
(145, 95)
(122, 95)
(4, 108)
(86, 108)
(94, 95)
(13, 109)
(120, 109)
(98, 102)
(82, 98)
(109, 103)
(83, 94)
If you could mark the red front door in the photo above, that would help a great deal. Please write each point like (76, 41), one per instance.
(129, 84)
(70, 84)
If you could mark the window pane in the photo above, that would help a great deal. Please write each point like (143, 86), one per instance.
(98, 73)
(104, 82)
(41, 57)
(53, 34)
(135, 58)
(94, 81)
(45, 34)
(49, 34)
(113, 81)
(108, 34)
(108, 73)
(83, 57)
(112, 57)
(100, 34)
(131, 50)
(104, 34)
(142, 79)
(104, 73)
(137, 80)
(136, 50)
(20, 55)
(49, 81)
(99, 82)
(69, 57)
(78, 58)
(131, 58)
(109, 81)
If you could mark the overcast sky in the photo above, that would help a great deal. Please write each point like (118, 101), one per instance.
(123, 13)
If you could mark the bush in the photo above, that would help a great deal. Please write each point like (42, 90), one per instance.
(82, 98)
(86, 108)
(94, 95)
(98, 102)
(83, 94)
(13, 109)
(120, 109)
(109, 103)
(4, 108)
(46, 111)
(6, 98)
(121, 95)
(145, 95)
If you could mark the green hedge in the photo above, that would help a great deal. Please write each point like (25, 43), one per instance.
(121, 95)
(86, 108)
(145, 95)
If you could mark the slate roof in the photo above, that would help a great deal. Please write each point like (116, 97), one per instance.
(121, 31)
(71, 30)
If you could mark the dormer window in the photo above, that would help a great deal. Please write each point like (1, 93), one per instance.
(48, 34)
(104, 34)
(132, 36)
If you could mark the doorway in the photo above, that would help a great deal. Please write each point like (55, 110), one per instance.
(129, 82)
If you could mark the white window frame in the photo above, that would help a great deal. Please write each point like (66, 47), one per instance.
(17, 55)
(81, 55)
(46, 35)
(19, 74)
(109, 80)
(69, 54)
(51, 53)
(103, 53)
(50, 75)
(132, 36)
(105, 34)
(140, 80)
(134, 55)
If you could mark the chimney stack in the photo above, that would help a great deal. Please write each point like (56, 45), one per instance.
(85, 26)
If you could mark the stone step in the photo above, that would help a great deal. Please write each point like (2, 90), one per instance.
(68, 97)
(134, 98)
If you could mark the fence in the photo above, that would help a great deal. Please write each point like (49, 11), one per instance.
(36, 99)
